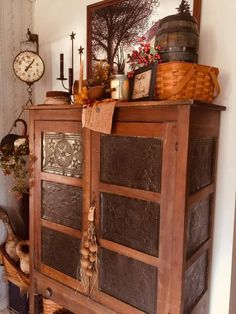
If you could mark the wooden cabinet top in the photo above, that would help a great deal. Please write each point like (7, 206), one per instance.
(140, 104)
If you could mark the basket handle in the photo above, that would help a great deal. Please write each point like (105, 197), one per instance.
(215, 81)
(24, 132)
(181, 84)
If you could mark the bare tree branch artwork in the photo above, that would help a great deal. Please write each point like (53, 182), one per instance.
(119, 24)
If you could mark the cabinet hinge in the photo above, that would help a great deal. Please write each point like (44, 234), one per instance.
(176, 146)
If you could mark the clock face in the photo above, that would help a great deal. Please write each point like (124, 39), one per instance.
(28, 66)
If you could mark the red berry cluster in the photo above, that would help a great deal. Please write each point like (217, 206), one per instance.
(143, 56)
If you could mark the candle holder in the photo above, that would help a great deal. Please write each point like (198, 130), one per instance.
(62, 78)
(80, 91)
(81, 51)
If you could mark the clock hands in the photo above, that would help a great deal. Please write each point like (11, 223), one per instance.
(28, 66)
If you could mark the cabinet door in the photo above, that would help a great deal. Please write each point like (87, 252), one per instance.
(133, 177)
(59, 198)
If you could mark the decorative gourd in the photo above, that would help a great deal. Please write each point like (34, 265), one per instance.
(89, 248)
(22, 250)
(12, 240)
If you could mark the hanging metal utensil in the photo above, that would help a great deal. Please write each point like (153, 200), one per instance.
(7, 143)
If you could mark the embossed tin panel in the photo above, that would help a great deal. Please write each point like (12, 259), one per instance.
(195, 282)
(128, 280)
(62, 204)
(60, 251)
(133, 162)
(198, 229)
(63, 154)
(131, 222)
(201, 163)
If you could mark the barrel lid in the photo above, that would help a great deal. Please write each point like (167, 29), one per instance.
(178, 17)
(177, 29)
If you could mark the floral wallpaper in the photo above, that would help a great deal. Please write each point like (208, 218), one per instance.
(16, 16)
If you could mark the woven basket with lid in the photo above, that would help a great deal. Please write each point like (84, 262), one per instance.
(184, 80)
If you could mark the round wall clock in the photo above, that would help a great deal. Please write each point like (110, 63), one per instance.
(28, 66)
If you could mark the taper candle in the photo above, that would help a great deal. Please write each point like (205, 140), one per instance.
(70, 80)
(81, 68)
(61, 66)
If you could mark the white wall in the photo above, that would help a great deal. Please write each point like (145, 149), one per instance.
(54, 22)
(218, 26)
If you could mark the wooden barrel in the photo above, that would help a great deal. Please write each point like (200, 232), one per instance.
(178, 37)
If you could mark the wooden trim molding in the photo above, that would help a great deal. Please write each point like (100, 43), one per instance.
(197, 8)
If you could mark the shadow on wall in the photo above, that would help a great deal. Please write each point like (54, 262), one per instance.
(208, 55)
(232, 306)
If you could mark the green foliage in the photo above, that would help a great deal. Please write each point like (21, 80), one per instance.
(184, 8)
(16, 164)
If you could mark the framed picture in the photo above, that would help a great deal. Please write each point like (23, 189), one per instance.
(142, 84)
(114, 27)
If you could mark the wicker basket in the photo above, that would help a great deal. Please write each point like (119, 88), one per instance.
(50, 307)
(185, 80)
(13, 272)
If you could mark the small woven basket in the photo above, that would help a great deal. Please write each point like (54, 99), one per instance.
(13, 272)
(185, 80)
(50, 307)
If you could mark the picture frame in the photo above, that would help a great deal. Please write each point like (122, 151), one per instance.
(142, 84)
(112, 41)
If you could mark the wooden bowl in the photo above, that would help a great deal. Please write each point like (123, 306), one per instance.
(96, 92)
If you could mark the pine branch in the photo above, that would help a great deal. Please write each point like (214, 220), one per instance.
(184, 8)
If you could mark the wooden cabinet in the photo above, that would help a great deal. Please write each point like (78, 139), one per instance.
(152, 182)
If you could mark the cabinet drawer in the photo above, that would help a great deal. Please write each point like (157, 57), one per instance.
(68, 298)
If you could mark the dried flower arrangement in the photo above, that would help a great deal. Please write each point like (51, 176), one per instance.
(101, 71)
(119, 61)
(143, 56)
(14, 162)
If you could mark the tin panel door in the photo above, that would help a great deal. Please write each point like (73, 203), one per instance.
(59, 190)
(133, 178)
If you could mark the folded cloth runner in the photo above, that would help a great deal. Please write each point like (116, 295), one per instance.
(99, 116)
